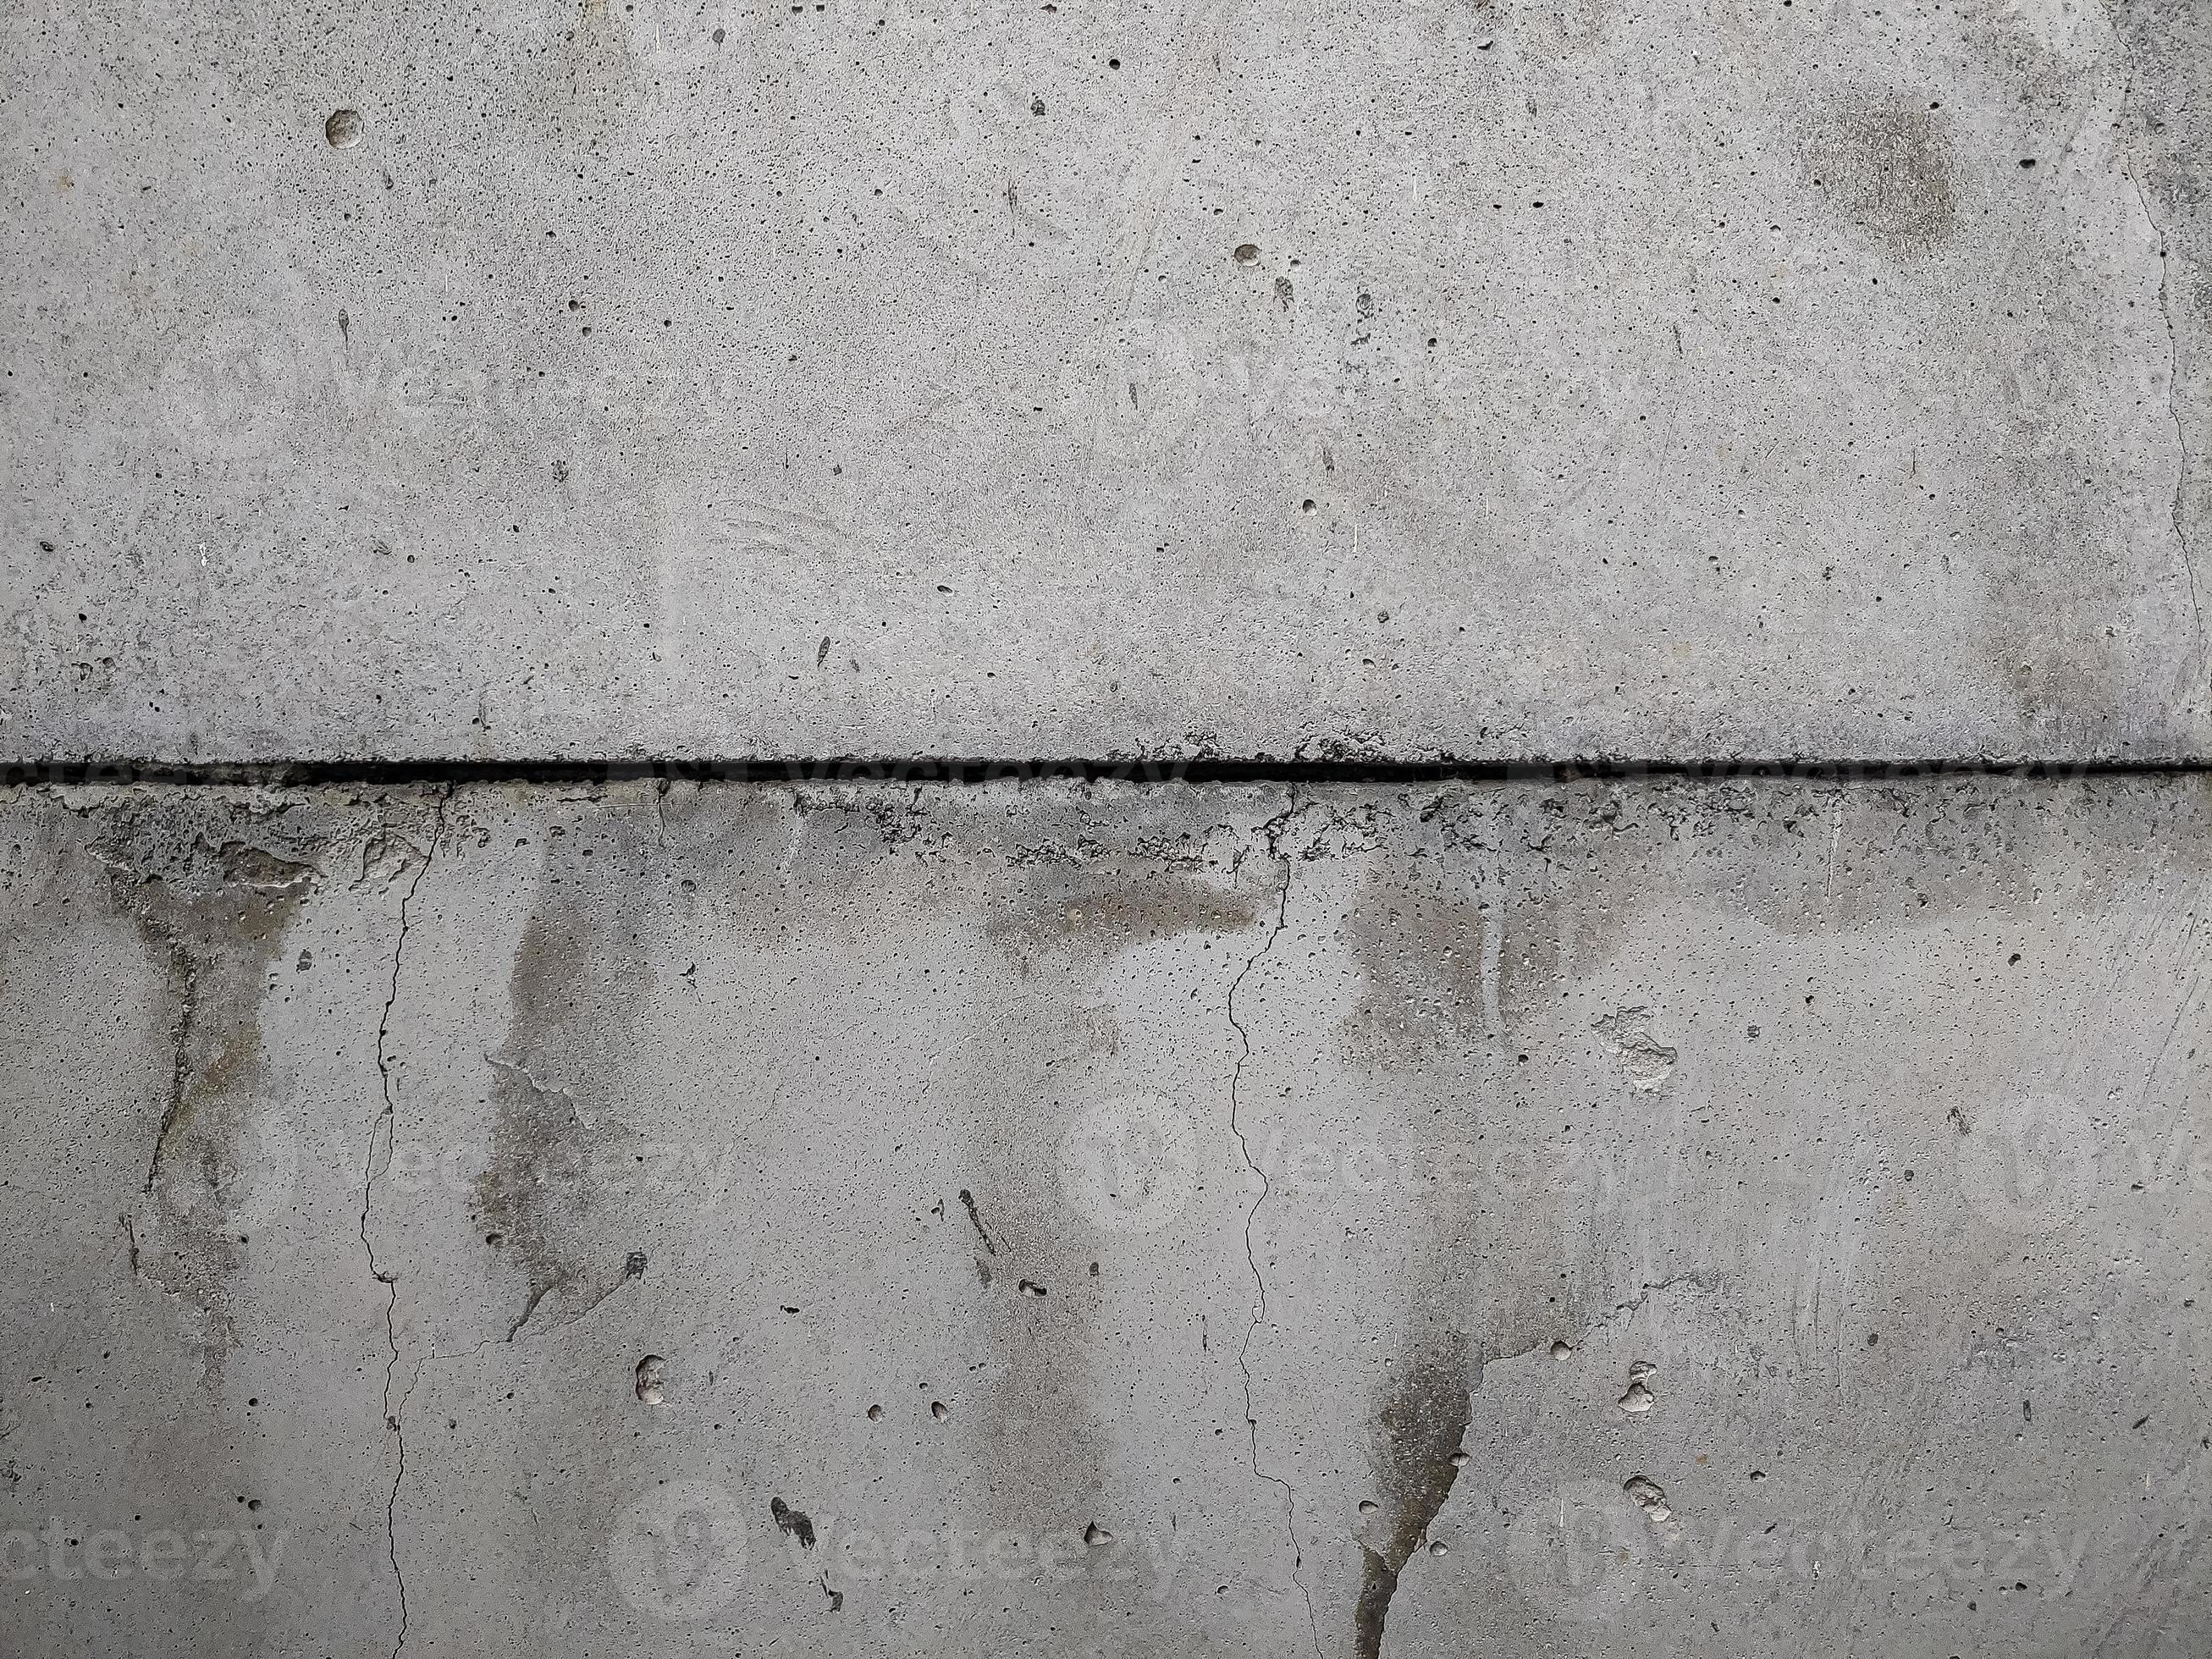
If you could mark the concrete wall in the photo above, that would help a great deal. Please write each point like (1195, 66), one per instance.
(451, 1209)
(691, 377)
(502, 1208)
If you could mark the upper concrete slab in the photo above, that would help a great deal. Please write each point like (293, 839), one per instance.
(1479, 378)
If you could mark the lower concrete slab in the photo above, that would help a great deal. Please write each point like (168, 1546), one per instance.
(1582, 1218)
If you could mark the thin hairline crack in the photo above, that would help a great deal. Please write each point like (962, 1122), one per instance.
(382, 1130)
(1272, 830)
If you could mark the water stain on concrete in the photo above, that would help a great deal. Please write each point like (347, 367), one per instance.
(1885, 160)
(1040, 1442)
(211, 889)
(1420, 946)
(1421, 1423)
(1097, 878)
(582, 976)
(1093, 915)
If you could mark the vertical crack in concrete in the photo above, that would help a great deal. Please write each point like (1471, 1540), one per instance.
(383, 1130)
(2133, 172)
(184, 972)
(1272, 830)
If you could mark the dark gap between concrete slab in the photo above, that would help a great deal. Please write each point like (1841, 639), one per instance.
(972, 770)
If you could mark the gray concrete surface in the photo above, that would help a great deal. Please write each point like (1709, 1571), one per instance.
(685, 377)
(1591, 1219)
(1571, 1219)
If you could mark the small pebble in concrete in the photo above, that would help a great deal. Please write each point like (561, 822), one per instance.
(1647, 1495)
(1638, 1397)
(343, 129)
(652, 1376)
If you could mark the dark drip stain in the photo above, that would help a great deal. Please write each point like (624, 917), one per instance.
(532, 1129)
(1039, 1426)
(582, 978)
(211, 889)
(1421, 1425)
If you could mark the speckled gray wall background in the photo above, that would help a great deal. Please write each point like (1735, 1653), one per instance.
(503, 1150)
(689, 377)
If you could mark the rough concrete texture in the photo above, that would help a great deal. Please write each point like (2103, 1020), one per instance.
(1467, 378)
(1577, 1219)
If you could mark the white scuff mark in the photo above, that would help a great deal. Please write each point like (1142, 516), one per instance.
(1835, 844)
(1493, 958)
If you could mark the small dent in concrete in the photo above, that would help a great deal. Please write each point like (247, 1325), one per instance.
(1647, 1062)
(1647, 1495)
(792, 1523)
